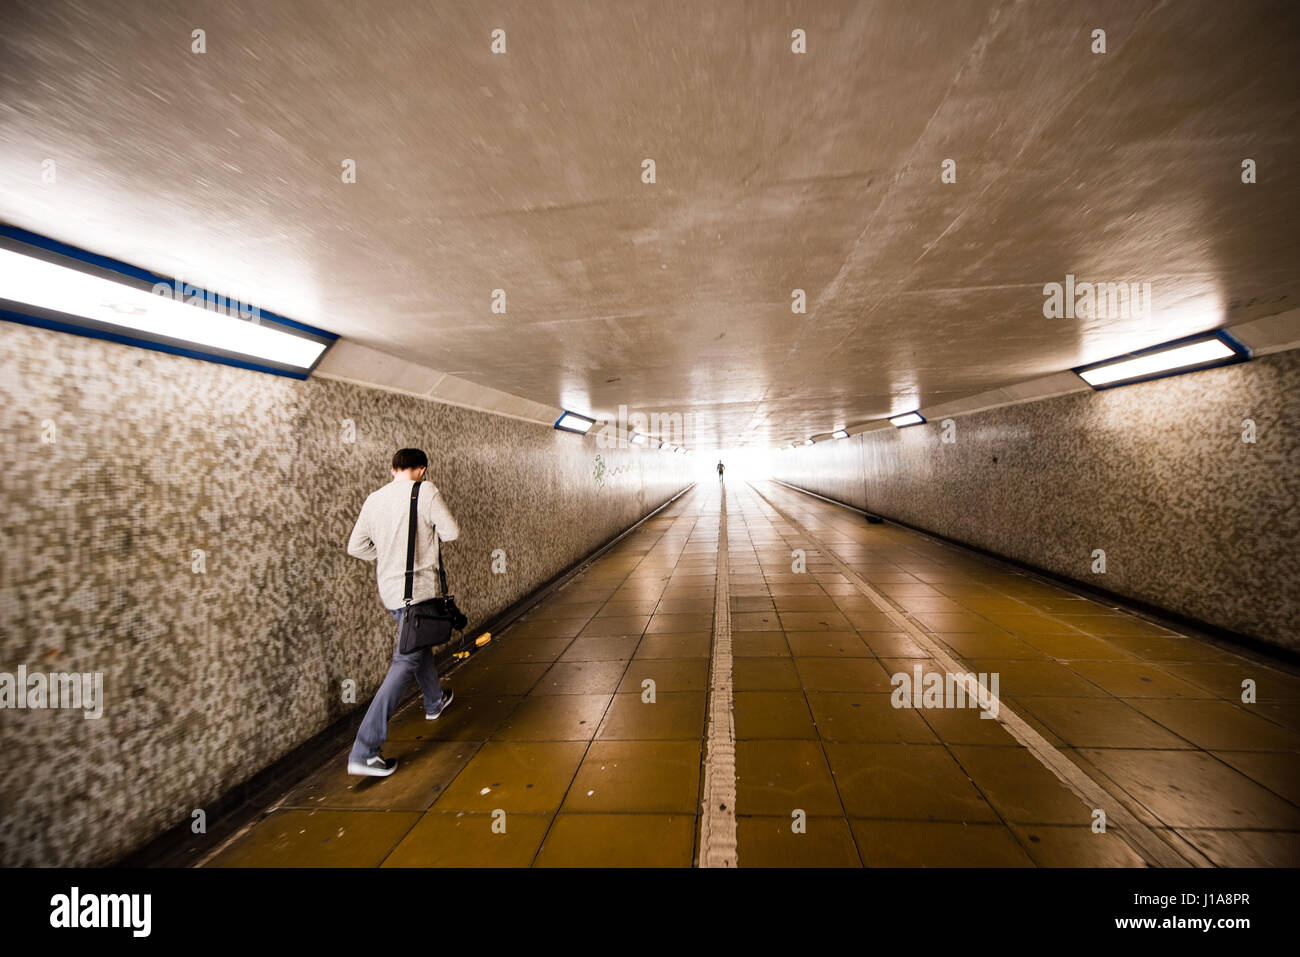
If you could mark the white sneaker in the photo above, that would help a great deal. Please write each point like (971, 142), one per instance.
(447, 695)
(376, 767)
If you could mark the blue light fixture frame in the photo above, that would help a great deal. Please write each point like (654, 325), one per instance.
(49, 250)
(909, 424)
(576, 415)
(1239, 354)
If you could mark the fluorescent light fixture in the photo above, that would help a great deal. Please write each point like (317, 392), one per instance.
(636, 438)
(906, 419)
(840, 434)
(1183, 355)
(809, 442)
(572, 422)
(55, 286)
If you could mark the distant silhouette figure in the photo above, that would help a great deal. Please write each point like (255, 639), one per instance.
(720, 470)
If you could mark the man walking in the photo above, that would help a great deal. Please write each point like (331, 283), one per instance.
(721, 468)
(381, 534)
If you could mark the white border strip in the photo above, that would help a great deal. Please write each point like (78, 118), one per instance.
(431, 398)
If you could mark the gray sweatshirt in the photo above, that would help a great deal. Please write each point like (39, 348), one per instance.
(381, 532)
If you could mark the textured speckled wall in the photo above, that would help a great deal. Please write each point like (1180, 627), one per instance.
(209, 677)
(1191, 518)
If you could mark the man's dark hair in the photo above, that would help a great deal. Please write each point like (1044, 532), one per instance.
(410, 459)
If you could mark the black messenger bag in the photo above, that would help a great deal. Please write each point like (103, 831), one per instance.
(429, 623)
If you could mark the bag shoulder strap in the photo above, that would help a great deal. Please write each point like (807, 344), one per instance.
(411, 529)
(410, 542)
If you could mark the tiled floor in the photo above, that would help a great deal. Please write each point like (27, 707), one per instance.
(553, 754)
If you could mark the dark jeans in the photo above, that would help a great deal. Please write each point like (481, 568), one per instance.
(374, 727)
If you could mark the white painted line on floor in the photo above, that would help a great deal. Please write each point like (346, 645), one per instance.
(1145, 842)
(718, 807)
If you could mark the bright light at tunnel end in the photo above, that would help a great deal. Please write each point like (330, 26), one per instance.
(1202, 351)
(55, 286)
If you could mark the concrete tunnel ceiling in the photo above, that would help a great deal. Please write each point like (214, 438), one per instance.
(775, 171)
